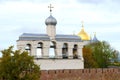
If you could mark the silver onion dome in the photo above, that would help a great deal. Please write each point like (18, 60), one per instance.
(51, 21)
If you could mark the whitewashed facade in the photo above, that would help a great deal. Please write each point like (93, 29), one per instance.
(51, 50)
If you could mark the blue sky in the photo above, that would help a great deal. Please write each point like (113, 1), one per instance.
(28, 16)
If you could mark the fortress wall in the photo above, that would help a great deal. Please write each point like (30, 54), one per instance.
(82, 74)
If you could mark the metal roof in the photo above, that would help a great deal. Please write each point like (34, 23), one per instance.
(29, 37)
(70, 38)
(59, 37)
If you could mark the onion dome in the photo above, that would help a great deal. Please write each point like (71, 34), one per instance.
(95, 38)
(51, 21)
(83, 35)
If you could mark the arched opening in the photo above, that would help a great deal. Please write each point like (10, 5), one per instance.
(28, 48)
(75, 52)
(65, 51)
(52, 50)
(39, 50)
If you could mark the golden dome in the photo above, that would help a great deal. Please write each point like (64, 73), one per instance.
(83, 35)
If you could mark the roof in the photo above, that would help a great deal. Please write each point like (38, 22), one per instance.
(50, 20)
(29, 37)
(95, 39)
(45, 37)
(70, 38)
(83, 34)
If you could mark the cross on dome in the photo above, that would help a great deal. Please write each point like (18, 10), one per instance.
(94, 33)
(51, 20)
(50, 8)
(82, 23)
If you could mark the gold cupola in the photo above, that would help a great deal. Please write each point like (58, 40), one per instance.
(83, 35)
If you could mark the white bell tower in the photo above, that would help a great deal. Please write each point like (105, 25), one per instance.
(51, 25)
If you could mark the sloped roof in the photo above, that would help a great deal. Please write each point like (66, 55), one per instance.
(45, 37)
(30, 36)
(71, 38)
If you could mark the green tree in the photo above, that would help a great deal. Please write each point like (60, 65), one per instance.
(17, 65)
(89, 61)
(115, 56)
(102, 53)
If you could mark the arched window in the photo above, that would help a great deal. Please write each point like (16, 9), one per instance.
(28, 48)
(65, 51)
(39, 50)
(52, 50)
(75, 52)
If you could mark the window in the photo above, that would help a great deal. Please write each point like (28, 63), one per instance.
(75, 52)
(52, 50)
(28, 48)
(65, 51)
(39, 50)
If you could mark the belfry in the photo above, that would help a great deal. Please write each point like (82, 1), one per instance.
(53, 51)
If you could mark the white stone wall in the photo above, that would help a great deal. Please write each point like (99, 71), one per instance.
(34, 44)
(70, 48)
(53, 64)
(51, 31)
(58, 62)
(46, 45)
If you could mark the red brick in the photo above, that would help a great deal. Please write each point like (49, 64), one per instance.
(81, 74)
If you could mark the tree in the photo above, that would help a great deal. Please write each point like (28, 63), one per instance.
(102, 53)
(17, 65)
(89, 61)
(115, 56)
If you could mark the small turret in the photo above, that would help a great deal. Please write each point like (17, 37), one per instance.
(95, 38)
(51, 25)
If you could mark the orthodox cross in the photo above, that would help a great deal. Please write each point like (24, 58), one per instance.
(82, 23)
(50, 8)
(94, 33)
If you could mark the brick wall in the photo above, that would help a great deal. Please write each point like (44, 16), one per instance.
(82, 74)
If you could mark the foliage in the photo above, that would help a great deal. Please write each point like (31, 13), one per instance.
(115, 58)
(101, 53)
(17, 65)
(89, 61)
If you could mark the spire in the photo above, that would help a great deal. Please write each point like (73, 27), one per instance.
(82, 24)
(95, 38)
(50, 8)
(51, 20)
(94, 33)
